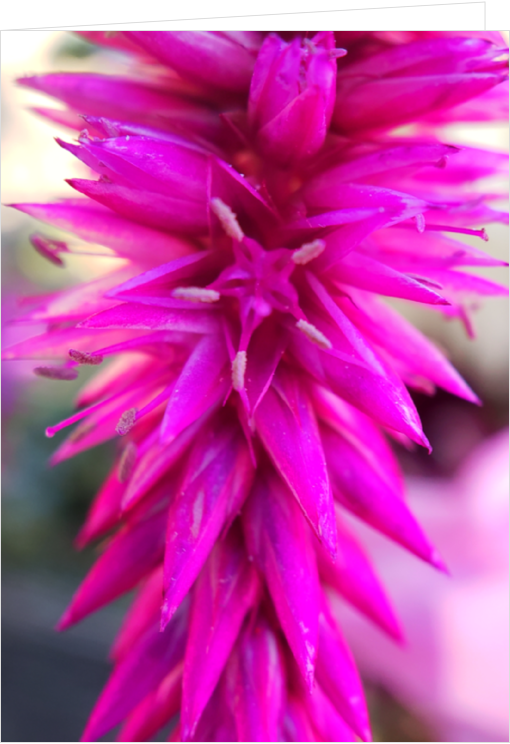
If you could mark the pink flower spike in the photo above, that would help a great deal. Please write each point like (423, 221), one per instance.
(257, 195)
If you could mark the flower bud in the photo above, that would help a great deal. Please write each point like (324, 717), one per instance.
(292, 96)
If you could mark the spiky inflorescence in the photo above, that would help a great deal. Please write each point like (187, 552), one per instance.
(261, 192)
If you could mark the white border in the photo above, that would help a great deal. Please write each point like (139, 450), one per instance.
(444, 17)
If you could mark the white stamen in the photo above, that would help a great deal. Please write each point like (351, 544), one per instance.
(227, 218)
(196, 294)
(420, 222)
(126, 421)
(238, 370)
(313, 333)
(308, 252)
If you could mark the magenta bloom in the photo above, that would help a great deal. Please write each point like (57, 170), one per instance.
(260, 198)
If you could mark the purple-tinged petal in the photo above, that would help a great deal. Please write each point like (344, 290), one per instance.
(104, 512)
(131, 316)
(292, 95)
(389, 102)
(338, 677)
(121, 98)
(459, 283)
(203, 382)
(130, 556)
(353, 576)
(155, 710)
(56, 344)
(151, 658)
(157, 461)
(357, 426)
(326, 720)
(217, 59)
(366, 273)
(286, 423)
(143, 613)
(386, 328)
(151, 209)
(225, 590)
(214, 487)
(379, 394)
(296, 723)
(341, 242)
(361, 489)
(388, 159)
(278, 538)
(171, 168)
(77, 302)
(427, 249)
(96, 224)
(322, 194)
(256, 217)
(255, 683)
(265, 350)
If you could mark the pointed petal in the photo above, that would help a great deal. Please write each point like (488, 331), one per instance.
(255, 683)
(360, 489)
(216, 59)
(265, 350)
(338, 677)
(353, 576)
(143, 613)
(130, 315)
(327, 721)
(216, 483)
(223, 594)
(286, 424)
(278, 537)
(368, 274)
(157, 461)
(147, 207)
(95, 224)
(203, 382)
(127, 100)
(377, 391)
(151, 658)
(405, 343)
(130, 556)
(155, 710)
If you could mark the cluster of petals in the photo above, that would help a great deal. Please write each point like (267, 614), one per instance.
(261, 191)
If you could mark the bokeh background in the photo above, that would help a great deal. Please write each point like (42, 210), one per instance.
(450, 681)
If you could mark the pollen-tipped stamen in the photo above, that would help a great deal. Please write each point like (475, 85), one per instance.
(239, 370)
(126, 422)
(313, 334)
(56, 373)
(126, 462)
(227, 218)
(196, 294)
(308, 252)
(84, 357)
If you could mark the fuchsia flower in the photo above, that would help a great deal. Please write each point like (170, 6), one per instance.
(259, 196)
